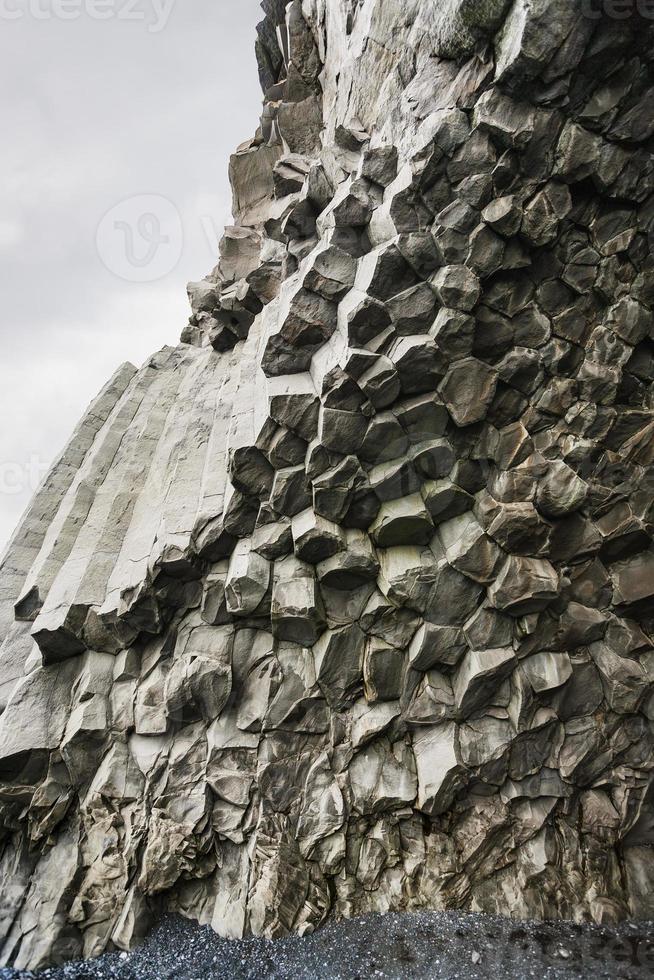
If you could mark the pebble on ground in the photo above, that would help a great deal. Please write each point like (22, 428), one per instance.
(408, 946)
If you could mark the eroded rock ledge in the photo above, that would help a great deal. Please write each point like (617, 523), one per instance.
(346, 603)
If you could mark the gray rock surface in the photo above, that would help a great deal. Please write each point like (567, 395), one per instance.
(346, 604)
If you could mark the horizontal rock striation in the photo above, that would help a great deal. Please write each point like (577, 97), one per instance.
(346, 603)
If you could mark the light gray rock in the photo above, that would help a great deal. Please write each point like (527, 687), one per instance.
(248, 580)
(485, 746)
(434, 646)
(407, 576)
(382, 777)
(547, 671)
(432, 702)
(296, 608)
(561, 491)
(440, 774)
(623, 680)
(524, 585)
(479, 676)
(468, 548)
(274, 540)
(369, 720)
(201, 676)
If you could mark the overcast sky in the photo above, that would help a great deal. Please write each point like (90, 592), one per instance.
(118, 120)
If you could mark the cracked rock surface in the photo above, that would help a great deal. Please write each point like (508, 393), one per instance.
(346, 604)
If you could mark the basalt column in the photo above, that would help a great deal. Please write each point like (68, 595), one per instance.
(346, 603)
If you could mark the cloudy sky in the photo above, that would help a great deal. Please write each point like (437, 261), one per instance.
(118, 120)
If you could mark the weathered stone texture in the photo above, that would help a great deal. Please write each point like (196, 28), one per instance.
(346, 604)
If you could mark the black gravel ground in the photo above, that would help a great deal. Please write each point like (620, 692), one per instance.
(420, 945)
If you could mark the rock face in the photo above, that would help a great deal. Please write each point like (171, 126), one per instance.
(346, 604)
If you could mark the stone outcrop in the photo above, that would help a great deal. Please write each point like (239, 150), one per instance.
(347, 603)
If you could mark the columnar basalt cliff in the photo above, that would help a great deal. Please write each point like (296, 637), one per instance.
(347, 602)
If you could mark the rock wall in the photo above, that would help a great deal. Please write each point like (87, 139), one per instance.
(346, 603)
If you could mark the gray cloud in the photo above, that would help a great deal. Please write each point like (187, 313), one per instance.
(94, 112)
